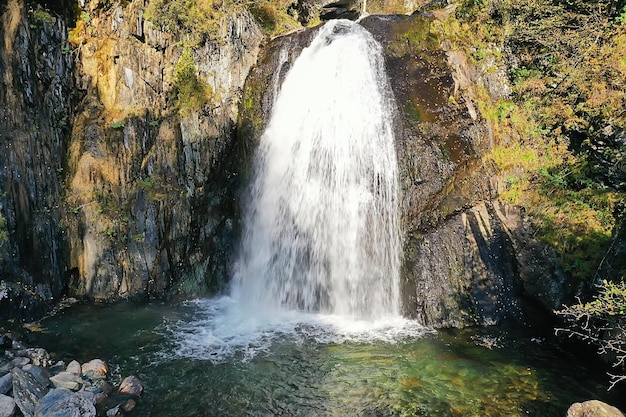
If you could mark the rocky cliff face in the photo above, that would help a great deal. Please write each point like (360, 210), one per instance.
(111, 187)
(36, 92)
(151, 183)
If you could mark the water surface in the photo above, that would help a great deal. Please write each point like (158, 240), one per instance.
(311, 369)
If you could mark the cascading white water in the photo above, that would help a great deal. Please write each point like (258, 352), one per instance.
(321, 231)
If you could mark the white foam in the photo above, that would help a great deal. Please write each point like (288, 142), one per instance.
(221, 329)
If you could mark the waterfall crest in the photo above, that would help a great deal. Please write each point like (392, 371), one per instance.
(321, 230)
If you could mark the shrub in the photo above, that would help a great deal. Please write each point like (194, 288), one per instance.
(192, 93)
(602, 322)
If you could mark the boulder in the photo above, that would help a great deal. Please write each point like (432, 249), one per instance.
(95, 368)
(6, 383)
(131, 385)
(67, 380)
(7, 406)
(27, 391)
(41, 374)
(65, 403)
(593, 408)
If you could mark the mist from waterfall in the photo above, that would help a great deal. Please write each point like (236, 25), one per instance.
(321, 229)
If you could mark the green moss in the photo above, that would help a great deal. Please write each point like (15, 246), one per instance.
(192, 93)
(43, 17)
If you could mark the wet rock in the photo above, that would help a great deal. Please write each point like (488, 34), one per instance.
(6, 383)
(593, 408)
(131, 385)
(95, 368)
(74, 368)
(7, 406)
(65, 403)
(27, 391)
(67, 380)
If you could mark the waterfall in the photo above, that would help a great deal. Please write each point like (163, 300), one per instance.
(321, 230)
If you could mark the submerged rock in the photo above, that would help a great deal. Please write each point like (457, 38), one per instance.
(593, 408)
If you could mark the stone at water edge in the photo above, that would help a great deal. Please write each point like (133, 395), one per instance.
(74, 368)
(27, 391)
(593, 408)
(64, 403)
(7, 406)
(95, 367)
(131, 385)
(67, 380)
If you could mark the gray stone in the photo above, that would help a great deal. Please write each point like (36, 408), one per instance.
(27, 391)
(7, 406)
(131, 385)
(74, 368)
(67, 380)
(41, 374)
(64, 403)
(593, 408)
(6, 383)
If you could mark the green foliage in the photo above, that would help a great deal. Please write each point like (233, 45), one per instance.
(192, 93)
(118, 125)
(196, 20)
(273, 16)
(602, 322)
(43, 17)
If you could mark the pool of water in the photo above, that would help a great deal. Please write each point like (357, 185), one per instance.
(310, 368)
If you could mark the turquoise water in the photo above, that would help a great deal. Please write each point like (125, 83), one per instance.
(305, 371)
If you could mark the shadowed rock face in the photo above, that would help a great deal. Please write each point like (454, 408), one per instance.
(36, 96)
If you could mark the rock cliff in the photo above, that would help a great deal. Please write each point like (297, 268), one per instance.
(111, 185)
